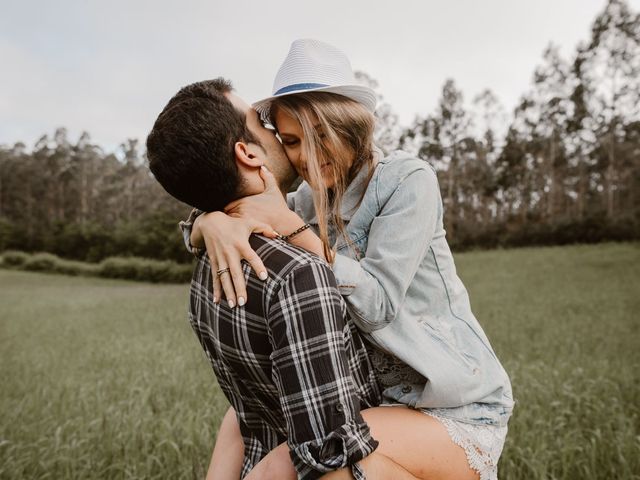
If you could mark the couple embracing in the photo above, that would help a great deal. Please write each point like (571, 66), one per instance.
(333, 316)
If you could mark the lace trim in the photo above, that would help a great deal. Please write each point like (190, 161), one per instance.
(390, 370)
(482, 443)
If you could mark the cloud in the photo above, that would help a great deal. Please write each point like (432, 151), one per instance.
(109, 67)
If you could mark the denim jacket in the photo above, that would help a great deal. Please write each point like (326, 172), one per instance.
(397, 275)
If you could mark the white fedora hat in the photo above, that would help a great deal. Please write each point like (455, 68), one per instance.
(314, 66)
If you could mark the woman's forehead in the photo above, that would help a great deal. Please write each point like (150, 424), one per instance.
(286, 123)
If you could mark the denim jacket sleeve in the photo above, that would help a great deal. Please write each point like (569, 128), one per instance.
(409, 208)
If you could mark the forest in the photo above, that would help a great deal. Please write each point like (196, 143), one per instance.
(562, 167)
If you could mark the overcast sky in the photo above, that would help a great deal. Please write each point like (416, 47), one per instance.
(108, 67)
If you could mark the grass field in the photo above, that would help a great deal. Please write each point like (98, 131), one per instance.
(104, 379)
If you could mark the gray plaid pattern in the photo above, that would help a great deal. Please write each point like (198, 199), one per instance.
(290, 362)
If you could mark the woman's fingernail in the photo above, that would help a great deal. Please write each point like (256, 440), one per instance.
(231, 304)
(241, 301)
(263, 275)
(215, 299)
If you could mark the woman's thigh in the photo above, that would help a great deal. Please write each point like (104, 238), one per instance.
(409, 438)
(417, 442)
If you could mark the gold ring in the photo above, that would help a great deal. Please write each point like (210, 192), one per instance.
(224, 270)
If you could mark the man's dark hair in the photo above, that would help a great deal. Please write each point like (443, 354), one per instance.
(191, 146)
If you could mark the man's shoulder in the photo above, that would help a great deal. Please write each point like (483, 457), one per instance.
(284, 263)
(279, 257)
(282, 258)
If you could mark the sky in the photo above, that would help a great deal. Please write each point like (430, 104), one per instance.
(109, 67)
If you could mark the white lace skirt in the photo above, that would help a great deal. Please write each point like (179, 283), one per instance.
(482, 443)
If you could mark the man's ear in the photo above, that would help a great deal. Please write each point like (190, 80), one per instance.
(247, 155)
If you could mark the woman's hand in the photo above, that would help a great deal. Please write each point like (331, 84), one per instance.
(227, 241)
(226, 235)
(269, 207)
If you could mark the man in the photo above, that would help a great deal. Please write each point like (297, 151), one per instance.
(290, 363)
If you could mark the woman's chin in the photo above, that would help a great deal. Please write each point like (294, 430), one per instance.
(327, 180)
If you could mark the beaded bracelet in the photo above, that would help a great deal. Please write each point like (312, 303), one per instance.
(286, 238)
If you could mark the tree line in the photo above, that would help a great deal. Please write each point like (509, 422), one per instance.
(568, 167)
(564, 167)
(78, 202)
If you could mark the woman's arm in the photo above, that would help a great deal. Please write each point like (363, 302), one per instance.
(399, 238)
(225, 237)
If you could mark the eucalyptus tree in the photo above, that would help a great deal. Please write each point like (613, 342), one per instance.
(611, 69)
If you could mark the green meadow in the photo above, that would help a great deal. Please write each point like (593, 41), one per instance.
(104, 379)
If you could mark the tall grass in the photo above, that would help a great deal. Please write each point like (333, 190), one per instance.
(565, 321)
(101, 379)
(104, 378)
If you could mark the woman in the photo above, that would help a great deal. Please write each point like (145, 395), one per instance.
(379, 223)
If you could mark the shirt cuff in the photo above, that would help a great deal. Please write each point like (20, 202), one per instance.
(357, 472)
(347, 273)
(342, 448)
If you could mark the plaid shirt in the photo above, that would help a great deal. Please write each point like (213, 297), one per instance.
(290, 362)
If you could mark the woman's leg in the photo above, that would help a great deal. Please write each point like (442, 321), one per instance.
(228, 452)
(376, 467)
(418, 443)
(412, 445)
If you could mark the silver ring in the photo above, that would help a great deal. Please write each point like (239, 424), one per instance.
(224, 270)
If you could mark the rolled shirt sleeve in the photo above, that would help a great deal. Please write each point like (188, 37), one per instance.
(399, 237)
(317, 392)
(185, 227)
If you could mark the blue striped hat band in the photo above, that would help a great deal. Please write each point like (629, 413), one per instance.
(299, 86)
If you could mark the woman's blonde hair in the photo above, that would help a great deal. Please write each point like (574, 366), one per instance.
(337, 131)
